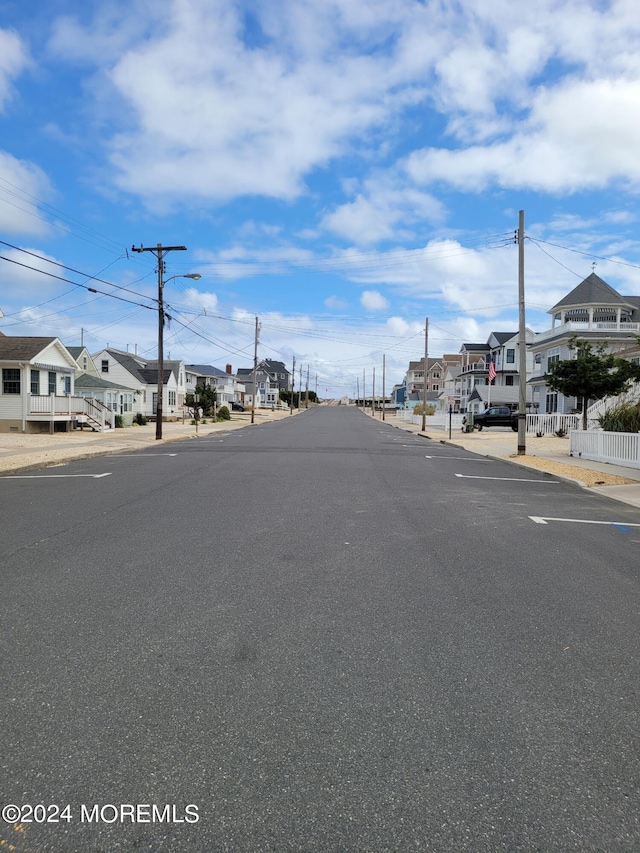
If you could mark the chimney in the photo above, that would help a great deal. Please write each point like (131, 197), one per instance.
(229, 369)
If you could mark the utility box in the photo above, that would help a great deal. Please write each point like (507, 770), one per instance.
(468, 427)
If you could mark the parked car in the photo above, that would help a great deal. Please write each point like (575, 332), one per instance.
(495, 416)
(237, 407)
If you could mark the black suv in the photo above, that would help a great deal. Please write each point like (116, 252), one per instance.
(495, 416)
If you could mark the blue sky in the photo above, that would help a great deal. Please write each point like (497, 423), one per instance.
(340, 169)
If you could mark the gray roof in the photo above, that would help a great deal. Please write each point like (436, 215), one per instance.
(593, 291)
(503, 337)
(205, 370)
(22, 348)
(88, 380)
(149, 375)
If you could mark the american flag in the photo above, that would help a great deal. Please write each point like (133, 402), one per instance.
(492, 371)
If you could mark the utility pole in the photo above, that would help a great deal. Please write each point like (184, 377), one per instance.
(300, 388)
(364, 390)
(306, 393)
(357, 390)
(384, 399)
(293, 383)
(426, 373)
(373, 394)
(255, 372)
(522, 344)
(160, 251)
(316, 389)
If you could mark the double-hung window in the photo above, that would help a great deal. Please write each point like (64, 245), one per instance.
(10, 380)
(35, 382)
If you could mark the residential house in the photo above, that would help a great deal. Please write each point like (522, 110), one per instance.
(271, 378)
(127, 370)
(592, 311)
(436, 371)
(37, 391)
(228, 389)
(502, 350)
(84, 361)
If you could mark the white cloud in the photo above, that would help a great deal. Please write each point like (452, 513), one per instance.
(13, 60)
(581, 135)
(21, 182)
(373, 301)
(335, 302)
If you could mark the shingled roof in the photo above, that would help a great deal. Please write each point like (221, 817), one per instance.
(593, 291)
(22, 348)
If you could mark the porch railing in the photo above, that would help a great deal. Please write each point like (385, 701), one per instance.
(54, 405)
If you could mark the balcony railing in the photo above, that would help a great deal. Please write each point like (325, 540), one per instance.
(576, 326)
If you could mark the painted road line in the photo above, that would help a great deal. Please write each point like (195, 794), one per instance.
(465, 458)
(141, 455)
(539, 519)
(53, 476)
(510, 479)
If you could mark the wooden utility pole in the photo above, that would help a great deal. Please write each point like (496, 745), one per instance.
(357, 390)
(300, 389)
(384, 399)
(160, 251)
(255, 374)
(373, 394)
(306, 393)
(426, 374)
(293, 383)
(364, 390)
(522, 345)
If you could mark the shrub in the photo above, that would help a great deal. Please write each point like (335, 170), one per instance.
(119, 422)
(428, 410)
(140, 419)
(203, 421)
(622, 418)
(224, 414)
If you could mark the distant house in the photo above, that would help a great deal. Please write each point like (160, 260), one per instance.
(228, 389)
(38, 390)
(271, 378)
(502, 350)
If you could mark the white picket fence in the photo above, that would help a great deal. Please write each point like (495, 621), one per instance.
(617, 448)
(547, 424)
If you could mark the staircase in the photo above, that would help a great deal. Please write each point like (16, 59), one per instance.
(601, 406)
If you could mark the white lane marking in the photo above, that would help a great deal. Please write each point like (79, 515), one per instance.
(539, 519)
(466, 458)
(53, 476)
(142, 455)
(510, 479)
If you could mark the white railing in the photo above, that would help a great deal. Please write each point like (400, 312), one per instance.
(53, 405)
(617, 448)
(438, 421)
(584, 326)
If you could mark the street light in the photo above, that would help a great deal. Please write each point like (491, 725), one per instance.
(195, 276)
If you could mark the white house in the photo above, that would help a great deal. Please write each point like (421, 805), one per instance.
(37, 390)
(228, 389)
(592, 311)
(140, 376)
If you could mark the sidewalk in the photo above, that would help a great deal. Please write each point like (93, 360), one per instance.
(549, 454)
(20, 452)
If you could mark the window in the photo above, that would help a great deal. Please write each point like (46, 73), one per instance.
(84, 362)
(10, 380)
(552, 402)
(35, 382)
(508, 380)
(52, 382)
(67, 384)
(435, 387)
(511, 356)
(172, 398)
(104, 365)
(435, 374)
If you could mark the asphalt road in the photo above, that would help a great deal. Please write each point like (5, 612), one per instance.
(322, 634)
